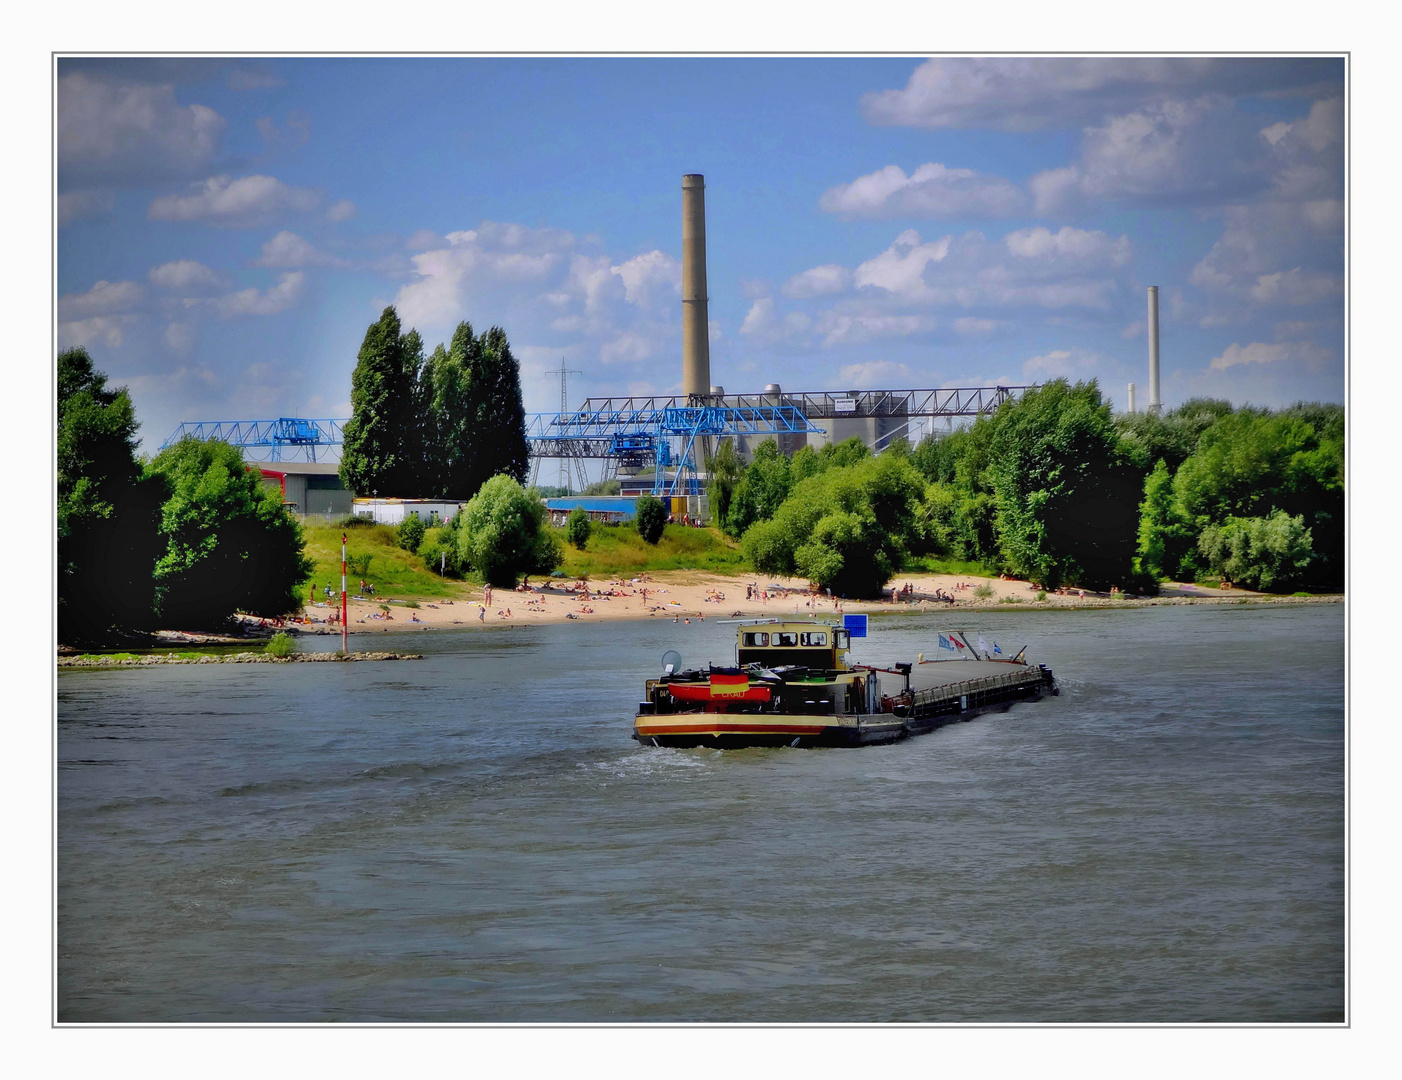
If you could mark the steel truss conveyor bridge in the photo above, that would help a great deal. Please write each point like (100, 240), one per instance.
(658, 432)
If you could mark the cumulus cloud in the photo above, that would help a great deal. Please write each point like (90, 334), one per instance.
(288, 250)
(971, 327)
(649, 276)
(819, 281)
(1030, 93)
(341, 210)
(183, 275)
(900, 269)
(108, 330)
(234, 204)
(116, 133)
(1068, 243)
(1072, 363)
(104, 298)
(270, 301)
(1259, 352)
(875, 374)
(74, 205)
(932, 190)
(179, 337)
(844, 329)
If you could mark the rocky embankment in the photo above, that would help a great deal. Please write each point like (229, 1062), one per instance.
(91, 660)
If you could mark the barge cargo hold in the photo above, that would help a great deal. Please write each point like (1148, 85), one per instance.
(792, 685)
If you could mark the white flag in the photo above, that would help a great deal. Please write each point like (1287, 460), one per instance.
(982, 645)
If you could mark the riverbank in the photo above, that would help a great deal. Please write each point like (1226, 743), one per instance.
(91, 660)
(686, 596)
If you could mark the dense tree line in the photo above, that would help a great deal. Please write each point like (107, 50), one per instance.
(433, 427)
(1054, 488)
(184, 539)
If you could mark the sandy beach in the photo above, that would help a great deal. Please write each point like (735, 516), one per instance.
(689, 596)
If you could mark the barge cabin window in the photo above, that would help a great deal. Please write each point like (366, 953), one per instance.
(807, 648)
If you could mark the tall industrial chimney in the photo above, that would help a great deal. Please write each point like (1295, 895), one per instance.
(696, 344)
(1155, 402)
(1131, 397)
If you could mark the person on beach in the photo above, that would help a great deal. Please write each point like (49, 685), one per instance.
(481, 614)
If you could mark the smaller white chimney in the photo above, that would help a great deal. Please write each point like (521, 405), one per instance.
(1131, 397)
(1155, 402)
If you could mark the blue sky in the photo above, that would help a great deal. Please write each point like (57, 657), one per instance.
(228, 229)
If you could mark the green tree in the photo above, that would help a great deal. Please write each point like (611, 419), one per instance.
(1269, 553)
(453, 415)
(1067, 493)
(499, 419)
(108, 514)
(848, 528)
(650, 516)
(230, 544)
(1166, 537)
(765, 485)
(410, 532)
(726, 471)
(578, 527)
(502, 534)
(603, 487)
(374, 455)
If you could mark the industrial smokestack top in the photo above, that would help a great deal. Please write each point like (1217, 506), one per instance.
(1155, 402)
(696, 344)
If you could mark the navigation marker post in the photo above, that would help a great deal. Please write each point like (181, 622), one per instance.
(344, 630)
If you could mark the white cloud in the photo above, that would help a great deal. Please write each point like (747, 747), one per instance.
(234, 204)
(971, 327)
(1041, 243)
(252, 302)
(819, 281)
(118, 133)
(874, 374)
(627, 348)
(646, 277)
(104, 298)
(932, 190)
(1258, 352)
(1321, 129)
(843, 329)
(759, 320)
(900, 269)
(1296, 287)
(341, 210)
(1028, 93)
(183, 275)
(74, 205)
(1072, 363)
(105, 330)
(287, 250)
(179, 337)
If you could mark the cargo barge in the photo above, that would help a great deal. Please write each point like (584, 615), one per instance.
(793, 685)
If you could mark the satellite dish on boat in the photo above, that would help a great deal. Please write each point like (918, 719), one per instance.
(671, 662)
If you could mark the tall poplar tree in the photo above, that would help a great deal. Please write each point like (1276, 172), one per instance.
(499, 417)
(453, 414)
(374, 454)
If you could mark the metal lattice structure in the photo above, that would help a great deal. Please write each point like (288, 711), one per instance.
(285, 433)
(661, 433)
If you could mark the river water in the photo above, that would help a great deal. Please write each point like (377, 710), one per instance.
(475, 838)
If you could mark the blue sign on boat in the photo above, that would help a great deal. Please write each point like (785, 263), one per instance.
(855, 625)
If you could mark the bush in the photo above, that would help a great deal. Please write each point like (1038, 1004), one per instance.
(410, 532)
(1258, 553)
(282, 645)
(358, 565)
(231, 546)
(984, 591)
(503, 533)
(1042, 596)
(651, 518)
(439, 551)
(354, 521)
(578, 527)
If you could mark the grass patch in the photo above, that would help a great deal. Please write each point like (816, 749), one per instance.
(983, 591)
(1010, 600)
(928, 564)
(393, 571)
(280, 645)
(618, 551)
(1042, 597)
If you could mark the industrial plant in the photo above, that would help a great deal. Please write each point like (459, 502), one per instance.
(658, 444)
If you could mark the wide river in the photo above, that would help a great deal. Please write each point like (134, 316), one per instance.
(475, 838)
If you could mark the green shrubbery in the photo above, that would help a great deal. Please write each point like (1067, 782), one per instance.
(410, 532)
(650, 516)
(578, 527)
(502, 534)
(281, 645)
